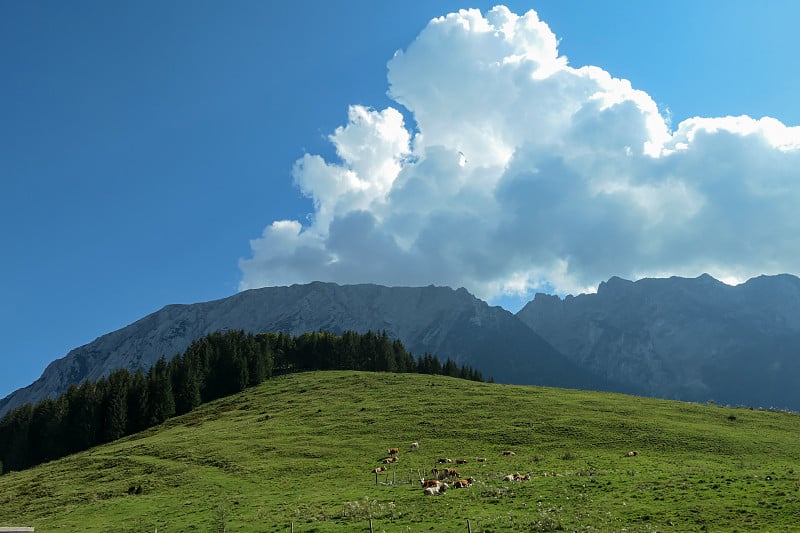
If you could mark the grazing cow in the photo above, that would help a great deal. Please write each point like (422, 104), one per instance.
(461, 461)
(452, 472)
(632, 454)
(444, 460)
(463, 483)
(415, 445)
(389, 460)
(379, 470)
(509, 453)
(393, 451)
(481, 459)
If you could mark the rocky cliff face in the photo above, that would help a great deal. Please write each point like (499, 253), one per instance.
(439, 320)
(690, 339)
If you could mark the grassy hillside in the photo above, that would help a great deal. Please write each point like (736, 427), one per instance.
(299, 450)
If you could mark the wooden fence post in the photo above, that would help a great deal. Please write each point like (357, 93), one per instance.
(370, 526)
(469, 526)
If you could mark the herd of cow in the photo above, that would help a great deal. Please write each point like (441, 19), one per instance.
(438, 482)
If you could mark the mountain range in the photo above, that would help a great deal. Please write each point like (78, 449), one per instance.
(439, 320)
(689, 339)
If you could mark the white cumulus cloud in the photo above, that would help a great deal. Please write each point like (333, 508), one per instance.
(525, 172)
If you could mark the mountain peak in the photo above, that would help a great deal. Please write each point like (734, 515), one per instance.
(614, 283)
(705, 279)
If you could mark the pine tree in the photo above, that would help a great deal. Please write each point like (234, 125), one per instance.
(15, 451)
(450, 368)
(403, 360)
(82, 417)
(137, 403)
(115, 406)
(185, 371)
(346, 352)
(46, 431)
(384, 354)
(160, 399)
(265, 355)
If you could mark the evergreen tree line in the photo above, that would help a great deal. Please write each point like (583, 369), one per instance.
(220, 364)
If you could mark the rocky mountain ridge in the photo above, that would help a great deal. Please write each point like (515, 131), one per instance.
(439, 320)
(689, 339)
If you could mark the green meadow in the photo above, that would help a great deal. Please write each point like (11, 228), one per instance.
(298, 451)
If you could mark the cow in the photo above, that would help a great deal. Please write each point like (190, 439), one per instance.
(509, 453)
(632, 454)
(452, 472)
(481, 459)
(435, 491)
(415, 445)
(444, 460)
(393, 451)
(389, 460)
(432, 483)
(463, 483)
(379, 470)
(461, 461)
(517, 477)
(432, 487)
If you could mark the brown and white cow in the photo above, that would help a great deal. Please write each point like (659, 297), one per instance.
(509, 453)
(389, 460)
(444, 460)
(435, 491)
(463, 483)
(379, 470)
(393, 451)
(415, 445)
(461, 461)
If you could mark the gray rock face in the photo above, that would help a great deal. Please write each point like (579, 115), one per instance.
(439, 320)
(689, 339)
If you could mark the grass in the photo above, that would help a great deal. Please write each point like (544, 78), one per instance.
(299, 450)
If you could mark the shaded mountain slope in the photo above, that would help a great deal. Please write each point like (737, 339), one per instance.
(690, 339)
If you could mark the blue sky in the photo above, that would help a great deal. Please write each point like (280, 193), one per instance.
(146, 144)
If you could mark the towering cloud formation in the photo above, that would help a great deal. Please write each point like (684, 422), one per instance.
(525, 171)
